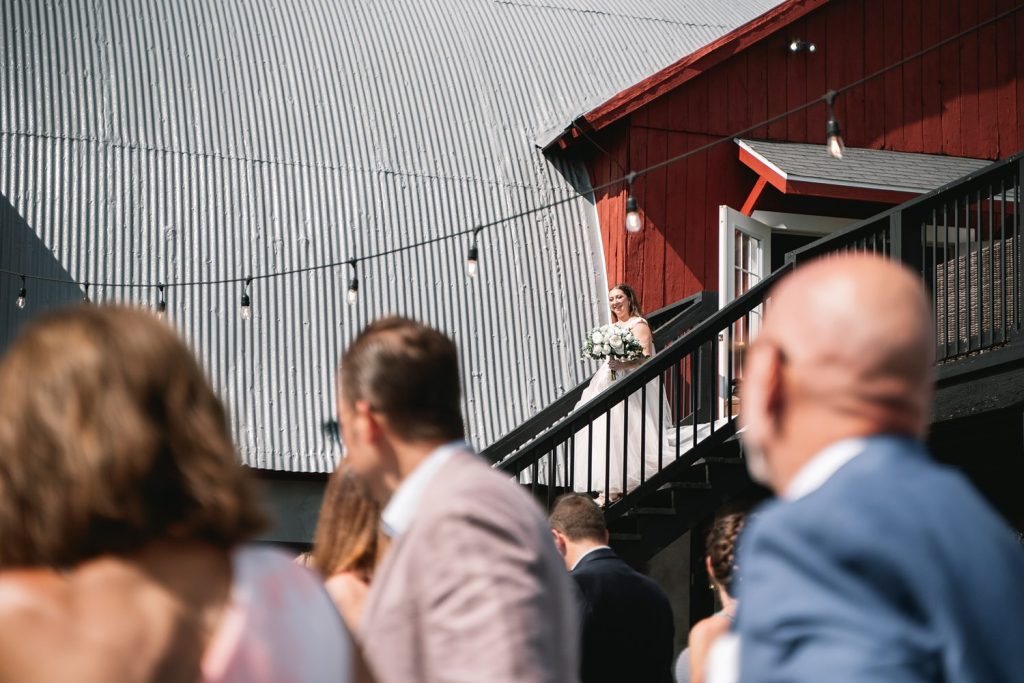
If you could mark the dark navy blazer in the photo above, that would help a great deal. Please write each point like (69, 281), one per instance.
(894, 570)
(627, 623)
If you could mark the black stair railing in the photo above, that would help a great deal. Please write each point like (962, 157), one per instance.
(680, 398)
(963, 239)
(667, 324)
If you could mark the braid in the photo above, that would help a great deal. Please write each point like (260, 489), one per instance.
(721, 545)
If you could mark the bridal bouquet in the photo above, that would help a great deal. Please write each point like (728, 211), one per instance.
(611, 341)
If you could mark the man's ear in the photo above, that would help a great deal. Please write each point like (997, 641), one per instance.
(560, 544)
(370, 423)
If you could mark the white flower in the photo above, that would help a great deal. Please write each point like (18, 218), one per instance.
(606, 350)
(597, 337)
(615, 342)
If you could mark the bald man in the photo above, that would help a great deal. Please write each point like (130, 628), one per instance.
(874, 563)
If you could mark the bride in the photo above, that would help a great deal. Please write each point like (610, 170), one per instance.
(601, 452)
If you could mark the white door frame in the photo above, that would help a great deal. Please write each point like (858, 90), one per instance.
(731, 221)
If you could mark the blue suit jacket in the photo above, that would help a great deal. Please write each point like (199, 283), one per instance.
(894, 570)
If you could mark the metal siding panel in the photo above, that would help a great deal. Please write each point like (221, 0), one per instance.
(165, 142)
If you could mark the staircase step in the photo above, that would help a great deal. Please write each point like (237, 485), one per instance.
(654, 511)
(687, 486)
(716, 460)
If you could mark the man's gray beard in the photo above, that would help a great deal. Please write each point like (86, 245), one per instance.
(757, 465)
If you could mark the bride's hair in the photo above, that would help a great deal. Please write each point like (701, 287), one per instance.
(634, 300)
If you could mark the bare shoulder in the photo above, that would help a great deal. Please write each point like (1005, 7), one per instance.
(705, 631)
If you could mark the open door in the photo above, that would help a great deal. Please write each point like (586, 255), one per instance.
(744, 259)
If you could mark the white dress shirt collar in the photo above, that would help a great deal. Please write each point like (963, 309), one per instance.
(822, 466)
(592, 550)
(400, 511)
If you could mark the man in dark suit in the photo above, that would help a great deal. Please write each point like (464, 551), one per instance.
(626, 617)
(875, 563)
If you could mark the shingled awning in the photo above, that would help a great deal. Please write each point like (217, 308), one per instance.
(862, 174)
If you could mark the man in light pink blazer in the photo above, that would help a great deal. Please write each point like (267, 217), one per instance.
(472, 589)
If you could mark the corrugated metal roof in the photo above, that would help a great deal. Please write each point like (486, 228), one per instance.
(172, 141)
(859, 167)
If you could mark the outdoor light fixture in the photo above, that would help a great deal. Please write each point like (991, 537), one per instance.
(246, 308)
(801, 46)
(833, 135)
(473, 259)
(633, 221)
(161, 303)
(22, 295)
(353, 286)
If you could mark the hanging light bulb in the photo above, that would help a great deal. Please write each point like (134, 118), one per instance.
(85, 294)
(473, 259)
(245, 299)
(833, 135)
(835, 139)
(634, 223)
(353, 286)
(22, 295)
(161, 304)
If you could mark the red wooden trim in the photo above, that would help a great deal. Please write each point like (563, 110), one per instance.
(764, 170)
(674, 75)
(755, 194)
(864, 194)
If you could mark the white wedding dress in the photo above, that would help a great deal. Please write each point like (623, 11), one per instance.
(605, 456)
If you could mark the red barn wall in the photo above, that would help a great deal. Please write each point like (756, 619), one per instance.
(960, 100)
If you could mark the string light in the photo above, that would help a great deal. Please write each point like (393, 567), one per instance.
(833, 136)
(634, 223)
(836, 147)
(85, 294)
(801, 45)
(245, 299)
(161, 304)
(22, 295)
(473, 259)
(353, 285)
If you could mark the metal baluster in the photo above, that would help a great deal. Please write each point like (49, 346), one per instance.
(708, 370)
(607, 455)
(643, 433)
(661, 419)
(729, 373)
(694, 378)
(1002, 252)
(570, 464)
(945, 289)
(956, 269)
(981, 271)
(968, 308)
(625, 442)
(552, 468)
(533, 480)
(935, 266)
(680, 407)
(991, 274)
(590, 455)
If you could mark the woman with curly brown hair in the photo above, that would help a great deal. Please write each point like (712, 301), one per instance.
(124, 517)
(349, 542)
(721, 565)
